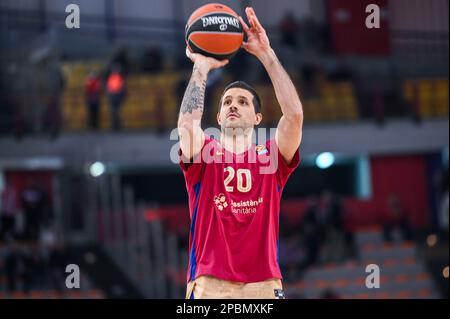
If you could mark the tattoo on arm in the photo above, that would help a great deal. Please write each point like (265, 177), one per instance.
(193, 97)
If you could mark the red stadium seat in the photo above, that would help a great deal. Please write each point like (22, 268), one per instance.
(321, 284)
(424, 293)
(382, 295)
(422, 276)
(401, 278)
(404, 294)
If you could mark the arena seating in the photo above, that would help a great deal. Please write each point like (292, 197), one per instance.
(45, 291)
(402, 273)
(430, 96)
(152, 102)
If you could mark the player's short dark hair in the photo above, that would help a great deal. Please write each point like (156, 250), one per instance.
(245, 86)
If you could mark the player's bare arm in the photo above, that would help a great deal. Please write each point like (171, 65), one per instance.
(191, 110)
(289, 131)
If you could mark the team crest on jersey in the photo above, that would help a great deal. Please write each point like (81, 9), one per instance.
(220, 201)
(261, 149)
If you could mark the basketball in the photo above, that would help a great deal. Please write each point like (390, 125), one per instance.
(214, 30)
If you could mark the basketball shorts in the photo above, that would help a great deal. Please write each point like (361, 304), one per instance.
(208, 287)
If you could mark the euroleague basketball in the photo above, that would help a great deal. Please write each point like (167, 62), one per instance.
(214, 30)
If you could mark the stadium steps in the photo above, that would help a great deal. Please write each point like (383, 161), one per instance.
(53, 294)
(105, 274)
(86, 291)
(402, 274)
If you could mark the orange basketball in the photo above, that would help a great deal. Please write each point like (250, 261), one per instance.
(214, 30)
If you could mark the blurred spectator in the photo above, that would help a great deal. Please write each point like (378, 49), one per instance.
(339, 71)
(47, 236)
(8, 209)
(58, 260)
(116, 90)
(395, 218)
(325, 38)
(330, 219)
(309, 73)
(292, 256)
(443, 202)
(289, 29)
(311, 233)
(121, 60)
(310, 36)
(34, 202)
(329, 210)
(152, 60)
(92, 89)
(53, 114)
(443, 212)
(17, 269)
(36, 267)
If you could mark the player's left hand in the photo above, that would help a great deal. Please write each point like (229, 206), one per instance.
(257, 41)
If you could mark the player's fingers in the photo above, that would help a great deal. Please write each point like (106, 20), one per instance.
(244, 25)
(256, 27)
(217, 63)
(188, 53)
(251, 13)
(248, 12)
(252, 24)
(249, 18)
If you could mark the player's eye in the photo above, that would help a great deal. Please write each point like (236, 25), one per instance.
(242, 102)
(227, 102)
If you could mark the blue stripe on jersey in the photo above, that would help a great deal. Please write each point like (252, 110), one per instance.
(278, 253)
(193, 264)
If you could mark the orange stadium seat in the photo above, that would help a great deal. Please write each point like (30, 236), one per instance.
(430, 95)
(404, 294)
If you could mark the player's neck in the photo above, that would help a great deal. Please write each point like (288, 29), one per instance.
(237, 144)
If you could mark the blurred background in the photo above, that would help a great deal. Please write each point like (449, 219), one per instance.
(85, 121)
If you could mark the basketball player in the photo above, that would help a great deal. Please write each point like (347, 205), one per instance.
(234, 205)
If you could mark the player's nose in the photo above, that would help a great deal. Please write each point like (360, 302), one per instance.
(233, 108)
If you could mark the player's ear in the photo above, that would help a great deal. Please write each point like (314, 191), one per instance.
(218, 119)
(258, 118)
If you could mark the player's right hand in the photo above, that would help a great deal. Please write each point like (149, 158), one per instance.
(205, 63)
